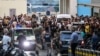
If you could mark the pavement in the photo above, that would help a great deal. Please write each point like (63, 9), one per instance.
(41, 52)
(29, 53)
(44, 52)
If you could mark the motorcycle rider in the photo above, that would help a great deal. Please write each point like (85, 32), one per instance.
(21, 38)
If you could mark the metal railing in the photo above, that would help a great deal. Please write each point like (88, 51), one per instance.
(85, 52)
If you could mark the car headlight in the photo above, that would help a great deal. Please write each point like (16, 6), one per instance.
(26, 43)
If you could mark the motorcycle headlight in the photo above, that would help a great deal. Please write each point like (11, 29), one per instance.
(13, 52)
(26, 43)
(82, 42)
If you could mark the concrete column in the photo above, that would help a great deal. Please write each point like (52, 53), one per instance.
(67, 6)
(61, 6)
(73, 7)
(64, 6)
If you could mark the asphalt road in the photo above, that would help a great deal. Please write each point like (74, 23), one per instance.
(41, 53)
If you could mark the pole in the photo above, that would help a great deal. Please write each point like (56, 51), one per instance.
(92, 11)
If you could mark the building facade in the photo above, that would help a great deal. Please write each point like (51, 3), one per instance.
(16, 7)
(12, 7)
(68, 7)
(42, 6)
(96, 9)
(73, 7)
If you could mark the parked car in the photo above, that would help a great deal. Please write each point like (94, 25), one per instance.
(29, 43)
(65, 39)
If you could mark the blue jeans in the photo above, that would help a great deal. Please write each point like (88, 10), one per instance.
(37, 38)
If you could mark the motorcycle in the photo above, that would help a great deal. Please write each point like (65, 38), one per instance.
(15, 51)
(12, 51)
(98, 46)
(88, 44)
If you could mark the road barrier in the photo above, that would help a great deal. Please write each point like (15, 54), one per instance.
(85, 52)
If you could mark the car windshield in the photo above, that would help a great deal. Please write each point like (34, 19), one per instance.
(76, 24)
(27, 32)
(65, 36)
(64, 19)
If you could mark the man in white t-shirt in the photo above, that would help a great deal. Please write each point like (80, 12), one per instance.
(6, 40)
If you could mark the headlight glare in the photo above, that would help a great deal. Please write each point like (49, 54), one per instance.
(26, 44)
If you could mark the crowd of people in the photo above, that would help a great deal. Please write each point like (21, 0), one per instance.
(89, 30)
